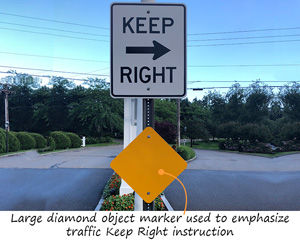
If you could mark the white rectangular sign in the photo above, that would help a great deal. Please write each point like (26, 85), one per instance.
(148, 50)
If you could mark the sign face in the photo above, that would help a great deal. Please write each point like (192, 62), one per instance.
(139, 162)
(148, 50)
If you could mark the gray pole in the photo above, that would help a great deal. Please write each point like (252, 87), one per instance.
(148, 122)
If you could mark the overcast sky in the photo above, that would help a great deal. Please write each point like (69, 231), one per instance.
(228, 41)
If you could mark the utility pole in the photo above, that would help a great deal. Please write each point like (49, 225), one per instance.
(7, 128)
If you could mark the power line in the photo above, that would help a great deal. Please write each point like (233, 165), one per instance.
(51, 20)
(225, 39)
(234, 81)
(55, 29)
(246, 65)
(47, 70)
(244, 31)
(208, 88)
(56, 35)
(245, 43)
(44, 56)
(47, 76)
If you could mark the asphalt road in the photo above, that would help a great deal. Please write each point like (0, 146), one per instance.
(236, 190)
(51, 189)
(74, 180)
(70, 180)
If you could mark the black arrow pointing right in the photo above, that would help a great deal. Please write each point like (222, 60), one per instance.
(157, 50)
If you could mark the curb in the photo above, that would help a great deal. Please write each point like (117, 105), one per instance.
(99, 204)
(166, 202)
(192, 159)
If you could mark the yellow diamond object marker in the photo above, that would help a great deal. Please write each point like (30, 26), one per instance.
(139, 162)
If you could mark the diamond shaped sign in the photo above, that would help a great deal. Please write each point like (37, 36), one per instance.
(139, 162)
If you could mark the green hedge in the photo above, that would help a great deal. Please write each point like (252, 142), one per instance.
(13, 142)
(76, 141)
(51, 144)
(40, 141)
(2, 141)
(62, 141)
(26, 140)
(186, 152)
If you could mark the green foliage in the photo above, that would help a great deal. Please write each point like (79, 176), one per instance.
(2, 140)
(290, 131)
(40, 141)
(254, 133)
(118, 203)
(26, 140)
(112, 186)
(76, 141)
(165, 111)
(51, 143)
(186, 152)
(166, 130)
(94, 140)
(229, 130)
(62, 141)
(13, 142)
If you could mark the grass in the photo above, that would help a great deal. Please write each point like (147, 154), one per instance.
(87, 145)
(102, 144)
(206, 145)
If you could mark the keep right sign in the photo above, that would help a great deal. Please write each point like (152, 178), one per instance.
(148, 50)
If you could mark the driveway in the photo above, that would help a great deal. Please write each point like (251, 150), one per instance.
(70, 180)
(231, 181)
(90, 157)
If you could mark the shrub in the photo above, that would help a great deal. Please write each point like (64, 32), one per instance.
(118, 203)
(62, 141)
(166, 130)
(290, 131)
(94, 140)
(109, 139)
(255, 133)
(229, 130)
(40, 141)
(76, 141)
(13, 142)
(2, 141)
(112, 186)
(51, 144)
(186, 152)
(26, 140)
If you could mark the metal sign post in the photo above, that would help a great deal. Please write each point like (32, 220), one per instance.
(148, 60)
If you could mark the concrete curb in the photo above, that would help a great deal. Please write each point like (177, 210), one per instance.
(99, 204)
(166, 202)
(192, 159)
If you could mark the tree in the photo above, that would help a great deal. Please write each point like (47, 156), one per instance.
(290, 97)
(230, 130)
(254, 133)
(195, 130)
(166, 130)
(165, 111)
(258, 98)
(235, 99)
